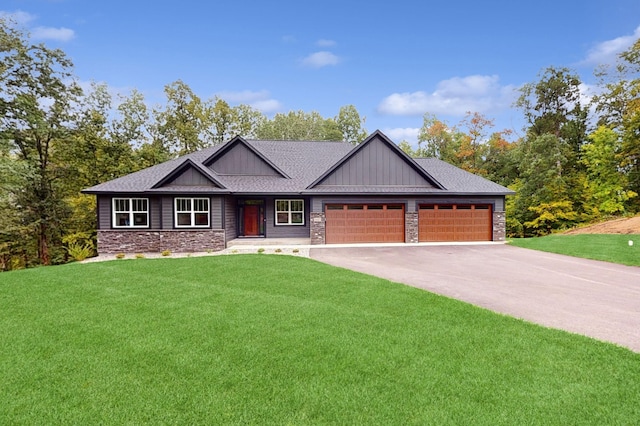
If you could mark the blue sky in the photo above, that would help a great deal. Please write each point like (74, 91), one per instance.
(393, 60)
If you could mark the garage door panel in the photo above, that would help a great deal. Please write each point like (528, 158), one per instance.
(451, 222)
(364, 223)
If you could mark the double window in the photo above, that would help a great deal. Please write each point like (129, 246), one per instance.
(192, 212)
(289, 212)
(130, 212)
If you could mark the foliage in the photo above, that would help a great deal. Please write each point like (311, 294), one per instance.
(80, 252)
(299, 126)
(149, 341)
(350, 124)
(605, 187)
(552, 216)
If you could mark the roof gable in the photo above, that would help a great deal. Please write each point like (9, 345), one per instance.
(241, 159)
(189, 173)
(376, 162)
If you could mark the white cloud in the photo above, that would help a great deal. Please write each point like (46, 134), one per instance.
(455, 96)
(19, 17)
(325, 43)
(399, 134)
(38, 33)
(320, 59)
(606, 52)
(50, 33)
(260, 100)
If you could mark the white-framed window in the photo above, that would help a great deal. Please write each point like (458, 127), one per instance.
(289, 212)
(130, 212)
(192, 212)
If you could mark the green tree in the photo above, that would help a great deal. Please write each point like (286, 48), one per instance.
(351, 125)
(299, 126)
(605, 187)
(36, 107)
(437, 139)
(185, 123)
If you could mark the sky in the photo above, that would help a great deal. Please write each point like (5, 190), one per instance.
(393, 60)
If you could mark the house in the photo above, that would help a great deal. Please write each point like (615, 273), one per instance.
(329, 192)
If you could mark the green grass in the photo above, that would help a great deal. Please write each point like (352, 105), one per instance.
(610, 247)
(255, 339)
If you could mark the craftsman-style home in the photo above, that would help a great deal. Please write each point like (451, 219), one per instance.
(329, 192)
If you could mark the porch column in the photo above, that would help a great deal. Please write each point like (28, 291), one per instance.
(317, 227)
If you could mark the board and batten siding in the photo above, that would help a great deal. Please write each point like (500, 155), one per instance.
(191, 177)
(239, 160)
(376, 164)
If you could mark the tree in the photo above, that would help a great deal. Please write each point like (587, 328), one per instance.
(36, 106)
(184, 125)
(553, 106)
(299, 126)
(619, 108)
(350, 124)
(436, 139)
(605, 187)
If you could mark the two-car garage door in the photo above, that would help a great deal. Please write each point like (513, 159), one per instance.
(454, 222)
(385, 223)
(364, 223)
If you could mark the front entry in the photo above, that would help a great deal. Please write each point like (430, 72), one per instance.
(251, 218)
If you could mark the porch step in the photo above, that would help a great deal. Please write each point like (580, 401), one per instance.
(269, 242)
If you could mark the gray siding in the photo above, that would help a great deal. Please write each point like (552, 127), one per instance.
(239, 160)
(167, 212)
(154, 213)
(376, 164)
(104, 212)
(191, 177)
(215, 207)
(285, 231)
(230, 227)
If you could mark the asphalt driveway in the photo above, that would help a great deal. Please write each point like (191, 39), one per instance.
(596, 299)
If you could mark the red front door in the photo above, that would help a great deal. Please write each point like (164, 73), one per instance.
(251, 220)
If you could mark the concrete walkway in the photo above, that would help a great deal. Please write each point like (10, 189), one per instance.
(596, 299)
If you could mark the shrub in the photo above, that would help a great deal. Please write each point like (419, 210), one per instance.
(80, 251)
(166, 253)
(278, 250)
(120, 256)
(295, 250)
(260, 250)
(139, 256)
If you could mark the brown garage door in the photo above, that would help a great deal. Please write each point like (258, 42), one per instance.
(451, 222)
(364, 223)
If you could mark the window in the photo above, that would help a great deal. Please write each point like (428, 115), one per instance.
(289, 212)
(130, 213)
(192, 212)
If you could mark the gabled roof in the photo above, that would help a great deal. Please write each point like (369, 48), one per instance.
(180, 169)
(377, 136)
(300, 167)
(238, 141)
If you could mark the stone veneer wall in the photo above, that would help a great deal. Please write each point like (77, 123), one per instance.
(499, 226)
(411, 227)
(154, 241)
(317, 227)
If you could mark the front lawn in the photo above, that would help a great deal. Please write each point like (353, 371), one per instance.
(259, 339)
(608, 247)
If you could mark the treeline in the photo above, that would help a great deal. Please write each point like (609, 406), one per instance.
(578, 161)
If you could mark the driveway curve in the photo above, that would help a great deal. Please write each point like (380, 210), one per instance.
(593, 298)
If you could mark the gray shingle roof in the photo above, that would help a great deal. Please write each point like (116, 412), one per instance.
(304, 162)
